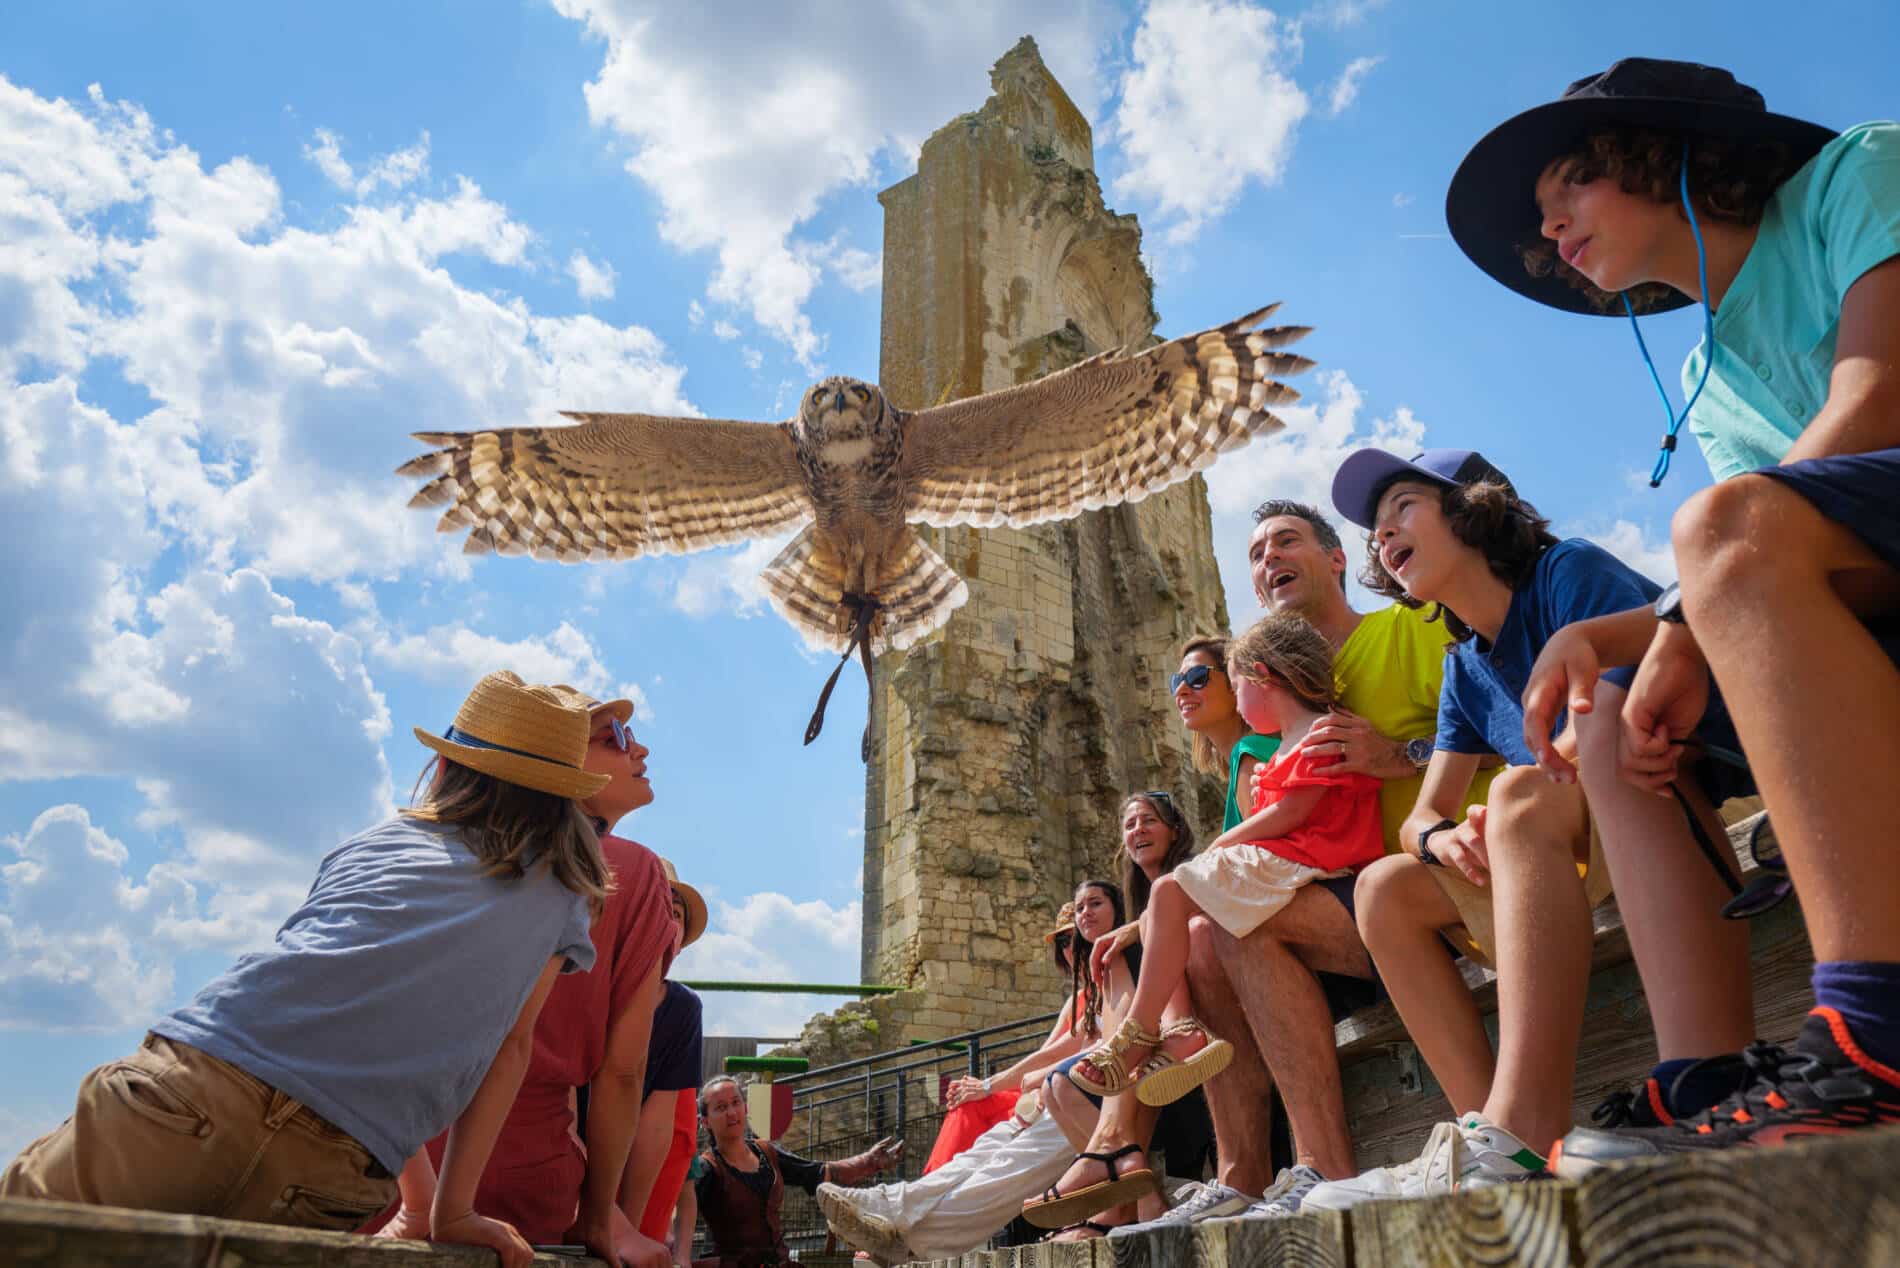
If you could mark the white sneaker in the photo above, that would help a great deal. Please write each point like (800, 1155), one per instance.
(1468, 1154)
(1287, 1193)
(1193, 1203)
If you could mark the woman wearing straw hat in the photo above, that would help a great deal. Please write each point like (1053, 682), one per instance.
(594, 1030)
(398, 999)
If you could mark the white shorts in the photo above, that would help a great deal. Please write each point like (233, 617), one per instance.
(1240, 887)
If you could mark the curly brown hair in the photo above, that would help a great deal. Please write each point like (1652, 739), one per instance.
(1490, 519)
(1297, 658)
(1729, 180)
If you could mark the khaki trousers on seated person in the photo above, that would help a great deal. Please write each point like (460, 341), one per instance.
(1476, 937)
(175, 1129)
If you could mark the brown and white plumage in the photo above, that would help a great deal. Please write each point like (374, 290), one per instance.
(1112, 429)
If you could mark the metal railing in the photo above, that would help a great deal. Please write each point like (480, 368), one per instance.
(841, 1109)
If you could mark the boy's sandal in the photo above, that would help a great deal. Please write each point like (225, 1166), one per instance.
(1056, 1209)
(1106, 1059)
(1162, 1080)
(1099, 1230)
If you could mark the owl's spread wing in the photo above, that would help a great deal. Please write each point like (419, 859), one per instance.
(1114, 428)
(614, 486)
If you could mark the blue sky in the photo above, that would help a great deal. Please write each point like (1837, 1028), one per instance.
(244, 250)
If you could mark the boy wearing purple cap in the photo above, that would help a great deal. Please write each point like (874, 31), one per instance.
(1658, 184)
(1501, 880)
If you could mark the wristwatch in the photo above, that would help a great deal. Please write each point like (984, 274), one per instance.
(1669, 605)
(1425, 854)
(1419, 752)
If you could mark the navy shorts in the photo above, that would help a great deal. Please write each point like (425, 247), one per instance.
(1860, 492)
(1345, 994)
(1062, 1072)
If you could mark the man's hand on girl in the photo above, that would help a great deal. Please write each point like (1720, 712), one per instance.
(1564, 677)
(1362, 750)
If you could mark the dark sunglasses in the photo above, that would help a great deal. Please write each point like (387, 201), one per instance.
(1196, 678)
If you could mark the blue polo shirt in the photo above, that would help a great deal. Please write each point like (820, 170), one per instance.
(1480, 706)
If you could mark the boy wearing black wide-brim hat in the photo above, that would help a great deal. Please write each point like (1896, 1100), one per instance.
(1657, 184)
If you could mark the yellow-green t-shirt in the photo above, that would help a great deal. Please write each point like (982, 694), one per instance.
(1388, 672)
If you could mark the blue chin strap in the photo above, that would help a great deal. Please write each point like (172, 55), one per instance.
(1676, 420)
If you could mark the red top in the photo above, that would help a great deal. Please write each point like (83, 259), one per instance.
(1344, 829)
(533, 1177)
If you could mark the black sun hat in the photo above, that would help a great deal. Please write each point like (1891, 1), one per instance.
(1491, 207)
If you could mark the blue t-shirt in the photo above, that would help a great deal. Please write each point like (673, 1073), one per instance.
(673, 1053)
(1480, 706)
(1833, 220)
(383, 999)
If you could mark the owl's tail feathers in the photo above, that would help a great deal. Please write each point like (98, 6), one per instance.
(917, 595)
(808, 584)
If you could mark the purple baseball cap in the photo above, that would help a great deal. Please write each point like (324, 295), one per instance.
(1363, 476)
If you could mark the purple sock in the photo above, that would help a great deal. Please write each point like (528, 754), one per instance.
(1866, 993)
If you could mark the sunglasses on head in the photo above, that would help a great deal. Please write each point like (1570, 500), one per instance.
(1196, 678)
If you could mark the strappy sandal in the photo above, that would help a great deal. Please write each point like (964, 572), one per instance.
(1162, 1080)
(1056, 1209)
(1106, 1059)
(1100, 1230)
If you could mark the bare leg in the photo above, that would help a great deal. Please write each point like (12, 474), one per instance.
(1771, 588)
(1401, 910)
(1292, 1023)
(1238, 1100)
(1694, 964)
(1534, 834)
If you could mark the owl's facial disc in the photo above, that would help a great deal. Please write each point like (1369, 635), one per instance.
(841, 409)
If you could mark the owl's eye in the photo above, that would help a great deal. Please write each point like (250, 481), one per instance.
(864, 393)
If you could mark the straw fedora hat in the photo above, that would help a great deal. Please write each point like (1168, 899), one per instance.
(532, 736)
(695, 905)
(597, 710)
(1065, 922)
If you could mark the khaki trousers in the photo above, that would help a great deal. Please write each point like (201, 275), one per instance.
(173, 1128)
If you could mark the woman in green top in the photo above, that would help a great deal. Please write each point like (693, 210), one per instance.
(1222, 739)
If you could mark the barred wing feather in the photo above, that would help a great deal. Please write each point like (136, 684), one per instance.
(613, 486)
(1112, 429)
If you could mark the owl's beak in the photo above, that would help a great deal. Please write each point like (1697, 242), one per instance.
(837, 401)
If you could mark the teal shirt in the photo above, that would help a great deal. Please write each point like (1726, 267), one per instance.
(1830, 222)
(1259, 747)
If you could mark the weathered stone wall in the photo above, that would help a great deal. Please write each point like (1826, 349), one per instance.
(1003, 744)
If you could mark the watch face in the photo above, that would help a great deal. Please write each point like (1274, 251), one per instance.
(1419, 751)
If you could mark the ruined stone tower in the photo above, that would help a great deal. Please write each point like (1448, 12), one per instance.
(1002, 745)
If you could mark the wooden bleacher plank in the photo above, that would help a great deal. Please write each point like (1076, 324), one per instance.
(1312, 1241)
(69, 1235)
(1511, 1226)
(1829, 1204)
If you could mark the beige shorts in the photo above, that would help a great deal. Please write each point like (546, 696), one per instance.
(1240, 887)
(1477, 932)
(173, 1128)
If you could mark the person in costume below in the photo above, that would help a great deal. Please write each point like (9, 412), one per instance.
(976, 1105)
(594, 1029)
(668, 1135)
(744, 1181)
(1658, 184)
(398, 999)
(1501, 881)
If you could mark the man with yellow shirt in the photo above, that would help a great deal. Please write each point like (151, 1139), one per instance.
(1264, 992)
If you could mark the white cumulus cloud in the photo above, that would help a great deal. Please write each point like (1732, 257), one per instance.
(742, 130)
(1208, 104)
(769, 937)
(1346, 87)
(591, 280)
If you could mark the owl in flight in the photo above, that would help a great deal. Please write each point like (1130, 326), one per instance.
(855, 472)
